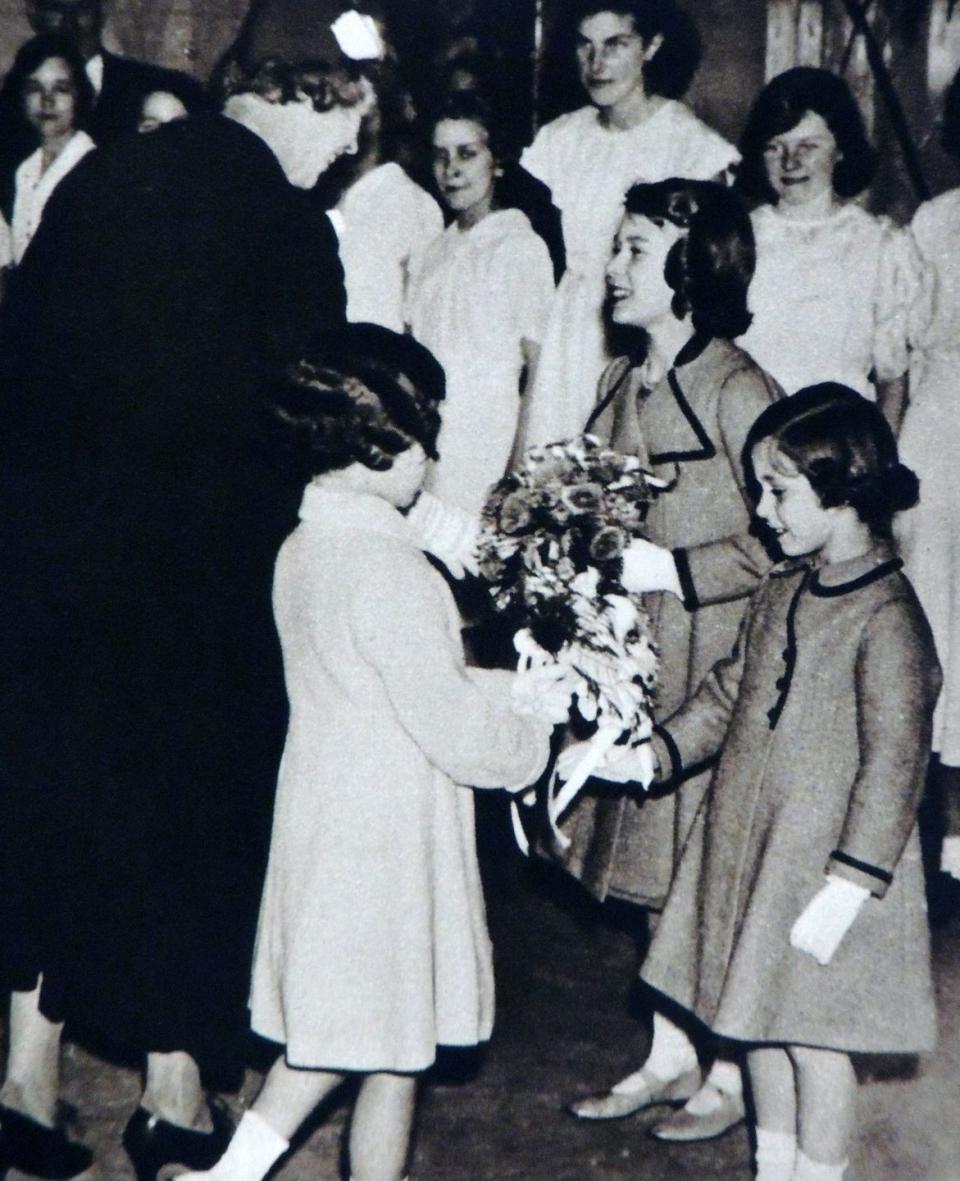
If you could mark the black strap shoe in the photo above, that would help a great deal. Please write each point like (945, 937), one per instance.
(34, 1148)
(152, 1142)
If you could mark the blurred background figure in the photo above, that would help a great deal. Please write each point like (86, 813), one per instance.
(159, 107)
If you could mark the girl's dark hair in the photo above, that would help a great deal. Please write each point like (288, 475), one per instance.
(473, 107)
(710, 267)
(362, 394)
(844, 446)
(671, 69)
(950, 125)
(30, 57)
(781, 105)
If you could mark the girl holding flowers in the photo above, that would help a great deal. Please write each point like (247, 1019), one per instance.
(682, 263)
(372, 945)
(796, 923)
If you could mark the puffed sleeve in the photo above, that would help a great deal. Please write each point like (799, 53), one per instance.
(902, 302)
(730, 567)
(897, 682)
(528, 283)
(464, 725)
(538, 158)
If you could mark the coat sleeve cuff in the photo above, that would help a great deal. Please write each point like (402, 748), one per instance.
(682, 562)
(871, 877)
(665, 751)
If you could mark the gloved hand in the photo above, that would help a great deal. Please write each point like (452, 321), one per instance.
(621, 764)
(648, 567)
(950, 857)
(449, 533)
(827, 917)
(541, 691)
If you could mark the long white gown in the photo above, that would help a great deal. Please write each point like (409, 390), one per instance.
(35, 185)
(589, 167)
(930, 443)
(381, 221)
(831, 298)
(475, 295)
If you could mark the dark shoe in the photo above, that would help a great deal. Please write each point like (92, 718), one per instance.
(686, 1127)
(651, 1092)
(34, 1148)
(152, 1142)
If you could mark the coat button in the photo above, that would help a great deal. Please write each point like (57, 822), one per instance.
(786, 654)
(781, 683)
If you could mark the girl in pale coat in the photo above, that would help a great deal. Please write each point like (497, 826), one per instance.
(372, 945)
(796, 921)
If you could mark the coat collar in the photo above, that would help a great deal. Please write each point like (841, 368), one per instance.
(342, 510)
(841, 578)
(698, 353)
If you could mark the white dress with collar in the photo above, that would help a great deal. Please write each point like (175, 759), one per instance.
(34, 186)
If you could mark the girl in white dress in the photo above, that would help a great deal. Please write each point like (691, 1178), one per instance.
(49, 85)
(834, 284)
(479, 299)
(372, 945)
(930, 443)
(635, 60)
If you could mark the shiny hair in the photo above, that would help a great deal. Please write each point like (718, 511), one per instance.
(781, 105)
(710, 267)
(671, 69)
(844, 446)
(30, 57)
(361, 394)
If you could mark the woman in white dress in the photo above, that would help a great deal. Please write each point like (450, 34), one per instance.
(930, 442)
(372, 944)
(49, 86)
(479, 299)
(834, 284)
(635, 59)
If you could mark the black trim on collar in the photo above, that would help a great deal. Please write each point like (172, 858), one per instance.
(873, 871)
(844, 588)
(608, 398)
(692, 349)
(707, 449)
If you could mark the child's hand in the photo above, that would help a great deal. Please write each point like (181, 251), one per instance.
(827, 917)
(541, 691)
(950, 857)
(648, 567)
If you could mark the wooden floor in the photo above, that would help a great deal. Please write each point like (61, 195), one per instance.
(564, 1028)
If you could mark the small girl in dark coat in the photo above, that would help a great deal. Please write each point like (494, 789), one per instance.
(796, 923)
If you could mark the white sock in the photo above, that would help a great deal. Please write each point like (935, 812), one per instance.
(671, 1054)
(811, 1170)
(724, 1081)
(250, 1155)
(776, 1155)
(726, 1076)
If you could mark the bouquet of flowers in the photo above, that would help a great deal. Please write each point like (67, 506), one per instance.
(551, 543)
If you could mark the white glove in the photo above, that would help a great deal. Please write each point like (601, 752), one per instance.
(449, 533)
(827, 917)
(541, 691)
(622, 764)
(950, 857)
(648, 567)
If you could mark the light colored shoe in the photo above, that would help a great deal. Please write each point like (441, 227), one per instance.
(687, 1126)
(652, 1092)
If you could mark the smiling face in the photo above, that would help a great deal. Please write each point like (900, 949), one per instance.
(464, 169)
(611, 56)
(637, 289)
(800, 162)
(50, 100)
(789, 506)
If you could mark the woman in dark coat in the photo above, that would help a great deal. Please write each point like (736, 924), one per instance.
(141, 698)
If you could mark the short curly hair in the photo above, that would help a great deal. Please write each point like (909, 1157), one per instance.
(844, 446)
(361, 394)
(710, 267)
(671, 69)
(781, 105)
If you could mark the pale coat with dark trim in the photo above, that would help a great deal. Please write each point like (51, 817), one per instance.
(823, 716)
